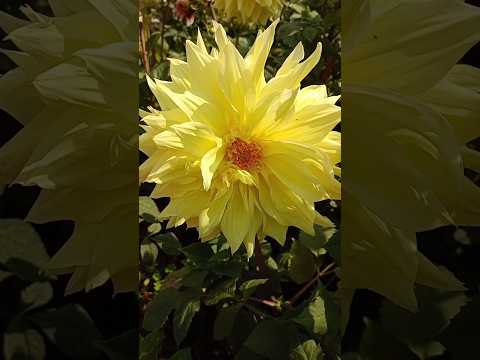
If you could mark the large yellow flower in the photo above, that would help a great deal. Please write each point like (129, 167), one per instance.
(255, 11)
(237, 154)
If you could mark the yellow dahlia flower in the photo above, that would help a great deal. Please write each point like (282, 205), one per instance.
(237, 154)
(246, 11)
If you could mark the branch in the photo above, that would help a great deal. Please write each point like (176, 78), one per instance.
(326, 271)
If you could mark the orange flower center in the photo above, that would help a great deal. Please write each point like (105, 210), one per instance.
(247, 156)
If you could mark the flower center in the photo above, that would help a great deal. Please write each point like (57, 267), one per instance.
(247, 156)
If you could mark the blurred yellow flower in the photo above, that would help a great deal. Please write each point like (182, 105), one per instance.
(237, 154)
(80, 86)
(404, 93)
(255, 11)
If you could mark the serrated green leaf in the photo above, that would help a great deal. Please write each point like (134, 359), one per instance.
(302, 264)
(313, 317)
(223, 290)
(159, 308)
(309, 350)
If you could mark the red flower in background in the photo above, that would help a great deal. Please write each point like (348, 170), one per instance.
(183, 11)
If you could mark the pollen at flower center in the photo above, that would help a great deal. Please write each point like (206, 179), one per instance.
(245, 155)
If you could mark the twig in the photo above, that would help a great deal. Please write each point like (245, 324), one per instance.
(324, 272)
(146, 63)
(264, 302)
(162, 31)
(260, 265)
(214, 15)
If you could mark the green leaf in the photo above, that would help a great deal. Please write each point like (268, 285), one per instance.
(77, 342)
(273, 339)
(316, 243)
(223, 290)
(225, 321)
(232, 268)
(36, 295)
(154, 228)
(310, 33)
(183, 318)
(378, 344)
(150, 345)
(245, 323)
(18, 240)
(148, 252)
(182, 354)
(4, 275)
(198, 252)
(333, 247)
(248, 287)
(147, 209)
(313, 317)
(168, 243)
(309, 350)
(23, 342)
(418, 330)
(121, 347)
(194, 279)
(461, 336)
(332, 309)
(159, 308)
(25, 270)
(247, 354)
(302, 264)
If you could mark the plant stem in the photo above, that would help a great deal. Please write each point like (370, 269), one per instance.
(264, 302)
(162, 31)
(214, 15)
(307, 286)
(143, 47)
(260, 264)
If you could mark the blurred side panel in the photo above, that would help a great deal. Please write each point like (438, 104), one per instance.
(410, 174)
(68, 179)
